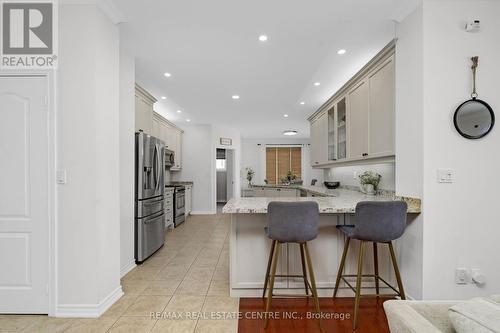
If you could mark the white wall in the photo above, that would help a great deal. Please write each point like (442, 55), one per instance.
(127, 160)
(198, 163)
(198, 167)
(459, 223)
(345, 175)
(253, 154)
(461, 220)
(88, 251)
(409, 145)
(219, 132)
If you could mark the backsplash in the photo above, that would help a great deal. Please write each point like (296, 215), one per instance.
(345, 175)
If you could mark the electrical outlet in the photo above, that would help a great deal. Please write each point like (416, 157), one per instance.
(445, 176)
(61, 177)
(461, 276)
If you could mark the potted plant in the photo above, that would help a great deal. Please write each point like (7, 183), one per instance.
(250, 174)
(289, 178)
(369, 182)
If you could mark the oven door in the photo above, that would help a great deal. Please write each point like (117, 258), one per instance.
(180, 198)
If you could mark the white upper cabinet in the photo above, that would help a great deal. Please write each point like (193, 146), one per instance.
(319, 139)
(358, 122)
(143, 110)
(154, 124)
(382, 110)
(171, 135)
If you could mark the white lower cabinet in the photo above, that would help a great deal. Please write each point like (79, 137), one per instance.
(271, 192)
(169, 208)
(188, 201)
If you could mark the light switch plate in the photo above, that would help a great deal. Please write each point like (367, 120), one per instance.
(61, 177)
(462, 276)
(445, 176)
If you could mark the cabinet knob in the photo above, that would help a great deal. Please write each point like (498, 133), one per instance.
(365, 154)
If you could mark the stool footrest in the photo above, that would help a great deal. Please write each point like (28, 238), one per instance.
(293, 295)
(343, 277)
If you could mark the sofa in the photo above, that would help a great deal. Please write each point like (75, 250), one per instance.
(418, 316)
(478, 315)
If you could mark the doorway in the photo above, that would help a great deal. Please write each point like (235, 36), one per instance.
(224, 166)
(24, 194)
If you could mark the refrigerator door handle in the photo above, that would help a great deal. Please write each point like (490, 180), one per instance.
(155, 167)
(154, 218)
(158, 168)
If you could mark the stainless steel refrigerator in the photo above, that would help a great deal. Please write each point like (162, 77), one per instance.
(149, 189)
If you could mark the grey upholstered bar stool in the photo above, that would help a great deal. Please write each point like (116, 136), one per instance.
(291, 222)
(376, 222)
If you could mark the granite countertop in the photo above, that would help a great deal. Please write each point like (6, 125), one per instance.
(182, 182)
(338, 201)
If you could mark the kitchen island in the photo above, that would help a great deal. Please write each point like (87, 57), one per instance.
(249, 246)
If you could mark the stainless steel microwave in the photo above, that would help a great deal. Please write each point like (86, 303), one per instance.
(169, 158)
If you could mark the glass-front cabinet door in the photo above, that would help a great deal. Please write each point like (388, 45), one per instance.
(332, 129)
(341, 129)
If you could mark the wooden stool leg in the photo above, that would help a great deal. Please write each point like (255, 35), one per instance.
(314, 291)
(358, 284)
(341, 267)
(375, 265)
(304, 271)
(396, 270)
(271, 282)
(273, 244)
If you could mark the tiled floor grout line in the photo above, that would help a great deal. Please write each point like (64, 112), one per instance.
(211, 279)
(211, 238)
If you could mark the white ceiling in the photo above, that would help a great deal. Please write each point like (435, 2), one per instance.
(212, 50)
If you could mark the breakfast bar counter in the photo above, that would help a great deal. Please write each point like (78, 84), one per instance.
(339, 201)
(249, 245)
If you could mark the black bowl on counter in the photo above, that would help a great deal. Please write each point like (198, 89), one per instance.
(331, 185)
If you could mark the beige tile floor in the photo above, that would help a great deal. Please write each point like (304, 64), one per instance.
(189, 275)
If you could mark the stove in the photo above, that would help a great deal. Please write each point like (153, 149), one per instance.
(179, 203)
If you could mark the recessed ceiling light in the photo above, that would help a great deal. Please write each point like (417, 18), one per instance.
(179, 111)
(167, 74)
(317, 84)
(188, 120)
(236, 97)
(262, 38)
(290, 132)
(163, 97)
(285, 115)
(302, 103)
(341, 51)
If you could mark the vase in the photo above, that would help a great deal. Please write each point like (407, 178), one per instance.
(368, 189)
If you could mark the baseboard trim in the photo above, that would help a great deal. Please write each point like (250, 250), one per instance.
(202, 212)
(89, 310)
(127, 268)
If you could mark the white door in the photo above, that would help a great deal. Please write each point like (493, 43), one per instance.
(24, 192)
